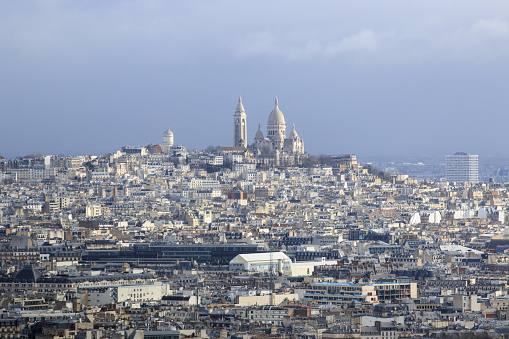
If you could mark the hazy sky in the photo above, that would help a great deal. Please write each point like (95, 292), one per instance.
(366, 77)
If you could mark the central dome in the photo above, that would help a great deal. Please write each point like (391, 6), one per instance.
(276, 117)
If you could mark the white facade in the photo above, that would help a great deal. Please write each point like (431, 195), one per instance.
(467, 303)
(216, 160)
(276, 148)
(277, 144)
(265, 299)
(276, 127)
(167, 141)
(307, 268)
(35, 173)
(244, 167)
(268, 315)
(462, 167)
(204, 184)
(103, 295)
(262, 262)
(145, 292)
(240, 126)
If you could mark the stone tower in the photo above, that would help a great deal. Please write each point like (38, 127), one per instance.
(167, 141)
(239, 126)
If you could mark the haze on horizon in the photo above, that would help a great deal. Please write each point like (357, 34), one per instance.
(364, 77)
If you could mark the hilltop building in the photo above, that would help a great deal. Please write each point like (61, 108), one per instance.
(167, 141)
(274, 150)
(239, 126)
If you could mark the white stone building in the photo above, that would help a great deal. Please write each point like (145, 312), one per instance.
(240, 126)
(278, 262)
(167, 141)
(275, 149)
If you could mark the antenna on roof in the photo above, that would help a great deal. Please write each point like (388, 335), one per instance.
(271, 302)
(197, 313)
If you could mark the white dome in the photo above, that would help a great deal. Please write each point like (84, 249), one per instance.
(259, 134)
(293, 133)
(276, 117)
(240, 107)
(167, 141)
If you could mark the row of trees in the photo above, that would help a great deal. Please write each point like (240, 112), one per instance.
(373, 170)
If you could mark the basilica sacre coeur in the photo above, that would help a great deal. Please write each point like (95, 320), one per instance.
(276, 149)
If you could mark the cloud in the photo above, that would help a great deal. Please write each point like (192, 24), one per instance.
(494, 29)
(482, 38)
(266, 43)
(364, 41)
(176, 31)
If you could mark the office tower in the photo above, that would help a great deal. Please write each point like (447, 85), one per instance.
(462, 167)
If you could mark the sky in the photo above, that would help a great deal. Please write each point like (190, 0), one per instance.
(388, 78)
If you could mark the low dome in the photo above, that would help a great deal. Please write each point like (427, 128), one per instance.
(293, 133)
(259, 134)
(276, 117)
(168, 132)
(28, 274)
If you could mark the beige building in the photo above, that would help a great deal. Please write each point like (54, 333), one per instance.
(265, 300)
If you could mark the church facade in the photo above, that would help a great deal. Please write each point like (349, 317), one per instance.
(275, 149)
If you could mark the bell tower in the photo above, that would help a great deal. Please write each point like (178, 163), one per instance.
(240, 126)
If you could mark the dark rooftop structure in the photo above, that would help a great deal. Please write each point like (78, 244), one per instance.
(28, 274)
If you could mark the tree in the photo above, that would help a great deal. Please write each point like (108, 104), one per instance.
(88, 165)
(34, 155)
(211, 149)
(325, 160)
(212, 168)
(387, 177)
(373, 170)
(310, 161)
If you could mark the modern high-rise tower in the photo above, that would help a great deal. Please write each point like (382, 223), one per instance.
(239, 126)
(462, 167)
